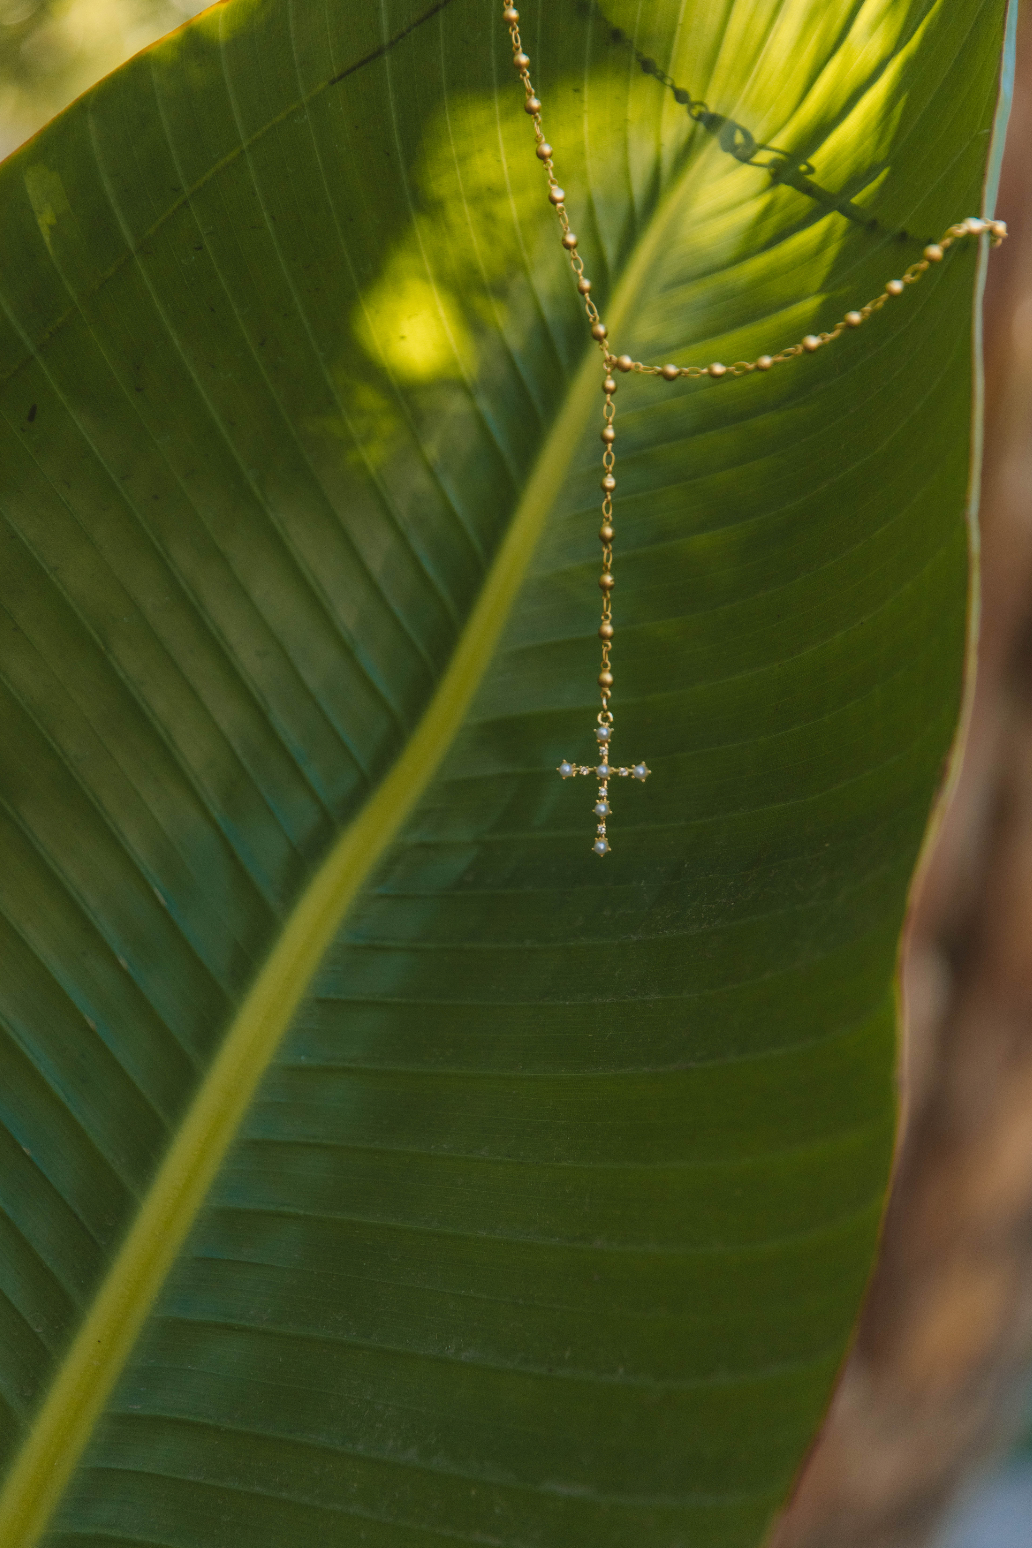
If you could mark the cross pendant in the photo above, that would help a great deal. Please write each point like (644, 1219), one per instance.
(604, 772)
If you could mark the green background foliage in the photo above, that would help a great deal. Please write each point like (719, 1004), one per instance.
(552, 1213)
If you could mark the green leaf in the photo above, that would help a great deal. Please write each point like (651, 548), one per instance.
(379, 1167)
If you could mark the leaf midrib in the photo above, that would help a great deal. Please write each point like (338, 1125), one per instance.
(132, 1284)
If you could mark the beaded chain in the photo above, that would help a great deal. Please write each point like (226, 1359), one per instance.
(934, 253)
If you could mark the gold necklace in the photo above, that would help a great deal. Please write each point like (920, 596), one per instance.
(933, 253)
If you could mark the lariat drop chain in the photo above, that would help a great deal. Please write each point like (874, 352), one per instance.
(933, 254)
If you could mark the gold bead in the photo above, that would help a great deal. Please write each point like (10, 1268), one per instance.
(532, 105)
(584, 284)
(555, 193)
(895, 287)
(716, 369)
(510, 14)
(624, 363)
(998, 229)
(811, 342)
(599, 331)
(609, 386)
(605, 533)
(934, 253)
(521, 60)
(543, 151)
(854, 319)
(605, 679)
(670, 373)
(974, 225)
(608, 483)
(606, 581)
(605, 630)
(764, 363)
(609, 435)
(569, 241)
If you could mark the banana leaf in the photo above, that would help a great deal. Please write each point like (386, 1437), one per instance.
(381, 1166)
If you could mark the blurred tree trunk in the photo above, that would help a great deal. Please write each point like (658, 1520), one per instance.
(941, 1360)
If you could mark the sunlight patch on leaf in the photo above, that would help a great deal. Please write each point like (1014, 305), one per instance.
(47, 197)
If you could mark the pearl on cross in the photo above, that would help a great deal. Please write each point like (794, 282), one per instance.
(603, 771)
